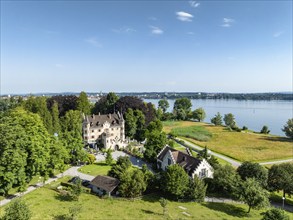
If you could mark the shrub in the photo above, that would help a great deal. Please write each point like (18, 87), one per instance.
(275, 214)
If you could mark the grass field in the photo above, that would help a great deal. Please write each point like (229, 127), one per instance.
(195, 132)
(46, 204)
(95, 169)
(239, 145)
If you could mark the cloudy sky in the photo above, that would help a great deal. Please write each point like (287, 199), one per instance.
(208, 46)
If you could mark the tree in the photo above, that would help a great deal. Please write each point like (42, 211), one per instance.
(196, 190)
(265, 130)
(226, 180)
(199, 114)
(109, 158)
(55, 118)
(83, 104)
(72, 136)
(118, 169)
(65, 103)
(140, 125)
(155, 142)
(164, 105)
(288, 128)
(132, 183)
(182, 108)
(106, 104)
(253, 194)
(18, 209)
(275, 214)
(175, 181)
(217, 119)
(130, 123)
(253, 170)
(229, 120)
(164, 203)
(76, 189)
(280, 177)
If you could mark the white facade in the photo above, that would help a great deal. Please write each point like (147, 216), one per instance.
(193, 166)
(106, 130)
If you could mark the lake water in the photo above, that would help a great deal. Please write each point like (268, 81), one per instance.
(252, 114)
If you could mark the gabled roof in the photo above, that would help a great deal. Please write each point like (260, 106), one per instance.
(99, 120)
(106, 183)
(187, 162)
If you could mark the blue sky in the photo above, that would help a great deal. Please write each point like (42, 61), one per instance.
(209, 46)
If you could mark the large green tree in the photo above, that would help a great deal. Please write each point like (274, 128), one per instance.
(196, 190)
(199, 114)
(55, 118)
(217, 119)
(106, 104)
(253, 170)
(175, 181)
(140, 125)
(280, 177)
(156, 140)
(132, 184)
(182, 108)
(253, 194)
(288, 128)
(83, 104)
(164, 105)
(229, 120)
(72, 136)
(275, 214)
(130, 123)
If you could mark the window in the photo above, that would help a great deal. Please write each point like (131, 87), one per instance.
(85, 131)
(99, 130)
(112, 129)
(169, 161)
(93, 136)
(203, 172)
(93, 131)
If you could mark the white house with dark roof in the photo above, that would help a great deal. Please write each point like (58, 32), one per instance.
(107, 130)
(192, 166)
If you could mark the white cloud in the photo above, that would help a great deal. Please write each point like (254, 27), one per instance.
(278, 34)
(227, 22)
(194, 4)
(58, 65)
(190, 33)
(125, 30)
(152, 18)
(93, 41)
(184, 16)
(156, 30)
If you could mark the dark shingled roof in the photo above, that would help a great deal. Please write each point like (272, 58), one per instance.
(106, 183)
(187, 162)
(99, 120)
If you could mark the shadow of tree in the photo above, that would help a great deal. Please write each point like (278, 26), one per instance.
(229, 209)
(279, 139)
(64, 197)
(150, 212)
(60, 217)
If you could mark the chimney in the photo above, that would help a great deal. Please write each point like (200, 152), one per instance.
(110, 116)
(93, 116)
(99, 113)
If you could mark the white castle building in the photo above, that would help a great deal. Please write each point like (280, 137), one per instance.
(106, 130)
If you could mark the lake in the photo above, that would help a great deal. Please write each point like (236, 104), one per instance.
(252, 114)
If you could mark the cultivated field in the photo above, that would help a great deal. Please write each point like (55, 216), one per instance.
(46, 204)
(239, 145)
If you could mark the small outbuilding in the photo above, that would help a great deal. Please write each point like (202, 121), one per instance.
(104, 185)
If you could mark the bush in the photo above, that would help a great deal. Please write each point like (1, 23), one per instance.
(265, 130)
(244, 128)
(275, 214)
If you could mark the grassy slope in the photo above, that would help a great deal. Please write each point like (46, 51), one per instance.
(95, 169)
(45, 204)
(238, 145)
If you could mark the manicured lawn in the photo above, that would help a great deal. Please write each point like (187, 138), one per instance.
(100, 168)
(46, 204)
(239, 145)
